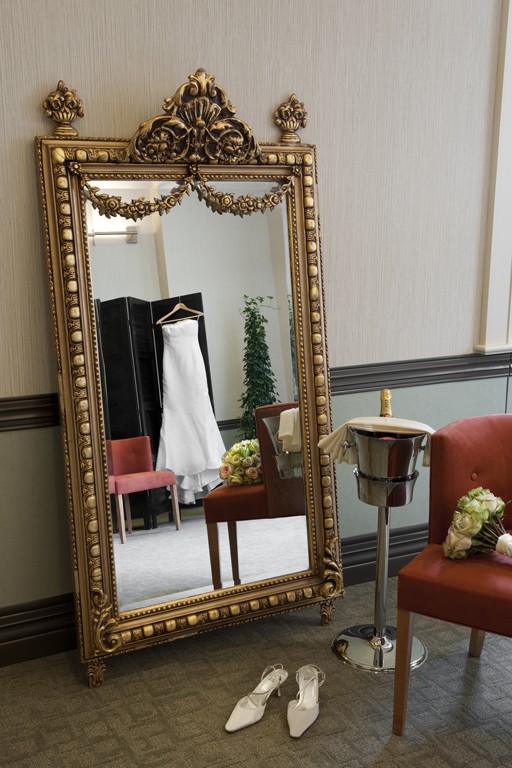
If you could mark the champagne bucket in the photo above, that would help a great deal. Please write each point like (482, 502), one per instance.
(386, 455)
(386, 476)
(288, 464)
(386, 491)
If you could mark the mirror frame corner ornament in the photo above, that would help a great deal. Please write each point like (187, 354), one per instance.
(199, 134)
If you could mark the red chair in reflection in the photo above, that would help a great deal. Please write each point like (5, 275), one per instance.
(476, 592)
(275, 497)
(130, 468)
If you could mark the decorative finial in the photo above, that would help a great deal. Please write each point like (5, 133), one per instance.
(290, 116)
(63, 106)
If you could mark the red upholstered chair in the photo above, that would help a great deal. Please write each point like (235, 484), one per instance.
(130, 467)
(274, 497)
(476, 592)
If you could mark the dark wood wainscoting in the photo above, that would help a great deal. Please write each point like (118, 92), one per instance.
(418, 373)
(359, 553)
(43, 410)
(36, 629)
(29, 412)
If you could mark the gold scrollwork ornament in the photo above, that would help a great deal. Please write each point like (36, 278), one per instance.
(106, 638)
(198, 127)
(112, 205)
(332, 570)
(244, 205)
(218, 201)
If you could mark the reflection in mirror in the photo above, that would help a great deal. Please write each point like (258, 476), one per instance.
(141, 271)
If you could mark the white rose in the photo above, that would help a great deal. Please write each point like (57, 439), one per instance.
(504, 544)
(489, 501)
(465, 524)
(457, 541)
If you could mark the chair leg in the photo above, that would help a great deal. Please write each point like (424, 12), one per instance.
(404, 629)
(233, 549)
(476, 642)
(128, 512)
(175, 507)
(150, 518)
(213, 545)
(120, 518)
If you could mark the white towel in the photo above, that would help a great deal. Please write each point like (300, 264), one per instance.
(335, 443)
(289, 430)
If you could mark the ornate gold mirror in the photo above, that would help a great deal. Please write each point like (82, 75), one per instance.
(191, 213)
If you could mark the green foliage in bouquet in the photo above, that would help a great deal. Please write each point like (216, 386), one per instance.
(476, 525)
(259, 379)
(241, 464)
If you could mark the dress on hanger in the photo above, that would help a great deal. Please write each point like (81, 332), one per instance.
(190, 441)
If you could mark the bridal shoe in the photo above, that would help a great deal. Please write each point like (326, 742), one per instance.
(303, 711)
(250, 709)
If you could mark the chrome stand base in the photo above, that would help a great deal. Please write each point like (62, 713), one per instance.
(361, 647)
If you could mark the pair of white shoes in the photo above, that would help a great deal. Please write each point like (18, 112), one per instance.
(302, 711)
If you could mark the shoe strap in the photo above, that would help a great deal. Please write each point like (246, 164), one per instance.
(316, 673)
(272, 668)
(277, 675)
(309, 679)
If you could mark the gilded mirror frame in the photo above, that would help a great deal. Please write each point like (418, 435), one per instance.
(196, 142)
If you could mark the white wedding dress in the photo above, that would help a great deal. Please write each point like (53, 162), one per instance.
(190, 441)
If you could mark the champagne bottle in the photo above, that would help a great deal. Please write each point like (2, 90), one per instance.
(385, 403)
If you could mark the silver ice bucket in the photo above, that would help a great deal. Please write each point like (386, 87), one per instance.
(386, 454)
(386, 466)
(288, 464)
(385, 491)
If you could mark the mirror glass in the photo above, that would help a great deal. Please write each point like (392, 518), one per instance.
(217, 259)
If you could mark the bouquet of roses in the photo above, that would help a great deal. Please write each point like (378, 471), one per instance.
(241, 464)
(477, 526)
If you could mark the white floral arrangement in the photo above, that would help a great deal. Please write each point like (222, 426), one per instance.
(241, 464)
(477, 526)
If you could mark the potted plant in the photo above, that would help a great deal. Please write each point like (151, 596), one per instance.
(259, 379)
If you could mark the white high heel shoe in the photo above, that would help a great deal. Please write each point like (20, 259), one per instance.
(251, 708)
(304, 709)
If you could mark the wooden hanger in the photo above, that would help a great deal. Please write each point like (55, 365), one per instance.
(178, 306)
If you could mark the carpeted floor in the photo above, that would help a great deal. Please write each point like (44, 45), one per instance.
(167, 706)
(162, 564)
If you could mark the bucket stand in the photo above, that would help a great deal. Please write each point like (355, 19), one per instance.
(372, 647)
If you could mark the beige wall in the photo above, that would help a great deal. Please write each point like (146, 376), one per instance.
(35, 555)
(399, 95)
(400, 99)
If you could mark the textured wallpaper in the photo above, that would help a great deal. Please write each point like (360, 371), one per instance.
(400, 99)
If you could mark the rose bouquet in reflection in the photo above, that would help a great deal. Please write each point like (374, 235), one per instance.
(241, 464)
(477, 526)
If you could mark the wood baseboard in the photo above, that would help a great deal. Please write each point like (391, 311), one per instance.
(36, 629)
(359, 553)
